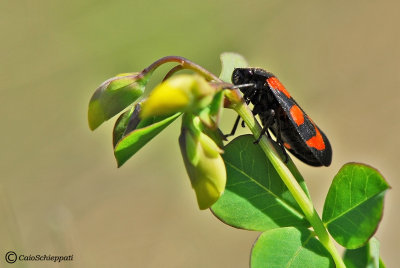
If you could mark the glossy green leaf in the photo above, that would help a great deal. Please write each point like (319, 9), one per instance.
(255, 197)
(364, 257)
(229, 62)
(114, 95)
(291, 248)
(139, 136)
(354, 205)
(121, 125)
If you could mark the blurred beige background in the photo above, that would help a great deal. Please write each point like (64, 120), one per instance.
(60, 190)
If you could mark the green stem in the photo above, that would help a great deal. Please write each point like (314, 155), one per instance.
(291, 183)
(185, 63)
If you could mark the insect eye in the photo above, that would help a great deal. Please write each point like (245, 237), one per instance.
(237, 77)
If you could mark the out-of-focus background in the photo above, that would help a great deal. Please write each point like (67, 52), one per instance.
(60, 190)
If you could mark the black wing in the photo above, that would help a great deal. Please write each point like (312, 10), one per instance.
(301, 136)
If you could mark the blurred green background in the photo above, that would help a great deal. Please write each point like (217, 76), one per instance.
(60, 190)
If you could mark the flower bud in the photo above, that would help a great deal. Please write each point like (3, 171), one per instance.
(204, 165)
(114, 95)
(180, 93)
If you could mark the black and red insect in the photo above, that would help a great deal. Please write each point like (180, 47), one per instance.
(279, 113)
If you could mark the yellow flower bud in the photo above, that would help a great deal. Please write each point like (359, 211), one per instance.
(180, 93)
(206, 171)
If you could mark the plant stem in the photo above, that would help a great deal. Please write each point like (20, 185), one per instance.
(185, 63)
(291, 183)
(172, 71)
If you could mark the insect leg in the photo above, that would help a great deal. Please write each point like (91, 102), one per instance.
(233, 131)
(246, 98)
(256, 110)
(269, 117)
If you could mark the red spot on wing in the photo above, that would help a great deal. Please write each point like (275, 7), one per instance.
(316, 141)
(277, 85)
(297, 115)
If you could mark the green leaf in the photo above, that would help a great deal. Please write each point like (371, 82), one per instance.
(139, 136)
(216, 107)
(114, 95)
(364, 257)
(230, 61)
(354, 205)
(255, 197)
(291, 248)
(122, 123)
